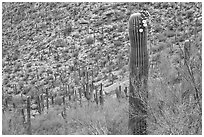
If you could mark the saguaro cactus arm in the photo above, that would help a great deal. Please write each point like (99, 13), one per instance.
(138, 73)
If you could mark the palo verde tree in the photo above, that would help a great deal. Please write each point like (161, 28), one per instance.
(138, 73)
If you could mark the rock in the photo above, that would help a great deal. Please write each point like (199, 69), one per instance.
(34, 106)
(89, 40)
(107, 84)
(83, 21)
(58, 100)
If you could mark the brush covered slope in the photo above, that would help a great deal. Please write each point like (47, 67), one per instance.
(44, 43)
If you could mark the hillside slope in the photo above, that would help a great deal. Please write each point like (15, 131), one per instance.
(41, 41)
(47, 46)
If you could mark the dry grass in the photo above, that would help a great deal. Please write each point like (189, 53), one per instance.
(173, 108)
(170, 115)
(112, 118)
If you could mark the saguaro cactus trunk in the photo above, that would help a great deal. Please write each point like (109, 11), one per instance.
(138, 74)
(28, 117)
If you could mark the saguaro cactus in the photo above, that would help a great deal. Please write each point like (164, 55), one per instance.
(101, 99)
(39, 106)
(23, 115)
(96, 96)
(47, 99)
(52, 99)
(80, 96)
(42, 102)
(138, 74)
(186, 51)
(28, 117)
(125, 91)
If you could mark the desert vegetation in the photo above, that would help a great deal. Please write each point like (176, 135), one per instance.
(65, 68)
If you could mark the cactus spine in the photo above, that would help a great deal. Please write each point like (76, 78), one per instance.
(138, 74)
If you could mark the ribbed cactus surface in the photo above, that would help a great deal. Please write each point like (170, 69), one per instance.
(138, 74)
(138, 42)
(186, 51)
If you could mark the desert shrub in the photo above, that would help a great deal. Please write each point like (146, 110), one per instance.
(116, 114)
(67, 30)
(76, 34)
(48, 124)
(123, 70)
(117, 43)
(12, 123)
(169, 114)
(86, 120)
(89, 40)
(89, 119)
(173, 106)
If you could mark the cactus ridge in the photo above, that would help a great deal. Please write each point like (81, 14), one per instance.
(138, 41)
(138, 73)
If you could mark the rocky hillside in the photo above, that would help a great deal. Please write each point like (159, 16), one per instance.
(43, 41)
